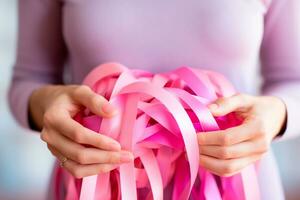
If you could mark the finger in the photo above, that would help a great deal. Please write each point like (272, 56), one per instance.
(56, 153)
(223, 106)
(96, 103)
(80, 171)
(240, 150)
(227, 167)
(85, 155)
(246, 131)
(64, 124)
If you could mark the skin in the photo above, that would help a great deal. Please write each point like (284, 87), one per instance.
(227, 152)
(223, 153)
(52, 108)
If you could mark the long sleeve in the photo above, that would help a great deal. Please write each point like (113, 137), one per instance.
(40, 53)
(280, 59)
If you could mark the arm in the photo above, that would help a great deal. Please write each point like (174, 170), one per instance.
(35, 94)
(226, 152)
(280, 59)
(40, 53)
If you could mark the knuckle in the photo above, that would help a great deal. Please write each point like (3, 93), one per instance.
(225, 153)
(82, 89)
(82, 157)
(77, 172)
(221, 101)
(103, 169)
(113, 158)
(95, 100)
(109, 158)
(49, 118)
(116, 158)
(228, 169)
(78, 135)
(226, 139)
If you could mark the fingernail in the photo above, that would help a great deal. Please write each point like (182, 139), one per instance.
(213, 106)
(108, 108)
(115, 146)
(126, 157)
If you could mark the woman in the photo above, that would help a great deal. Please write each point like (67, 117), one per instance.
(60, 41)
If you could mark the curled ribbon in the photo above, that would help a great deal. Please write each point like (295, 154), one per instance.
(159, 117)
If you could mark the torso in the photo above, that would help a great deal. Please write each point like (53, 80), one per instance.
(163, 35)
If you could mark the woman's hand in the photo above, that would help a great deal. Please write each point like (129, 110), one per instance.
(87, 153)
(227, 152)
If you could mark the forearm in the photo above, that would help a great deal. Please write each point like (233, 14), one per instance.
(40, 56)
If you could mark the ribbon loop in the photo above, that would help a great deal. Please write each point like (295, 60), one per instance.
(160, 115)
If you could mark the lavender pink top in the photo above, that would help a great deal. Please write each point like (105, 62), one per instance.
(60, 41)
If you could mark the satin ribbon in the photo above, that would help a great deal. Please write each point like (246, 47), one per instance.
(159, 117)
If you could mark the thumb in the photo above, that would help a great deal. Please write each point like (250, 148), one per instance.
(96, 103)
(225, 105)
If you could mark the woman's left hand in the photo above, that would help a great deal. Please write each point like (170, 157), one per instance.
(226, 152)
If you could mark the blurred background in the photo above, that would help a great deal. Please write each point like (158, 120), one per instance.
(25, 163)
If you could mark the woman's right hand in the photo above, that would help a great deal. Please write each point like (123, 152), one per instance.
(52, 109)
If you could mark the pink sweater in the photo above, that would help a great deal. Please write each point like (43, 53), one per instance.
(60, 41)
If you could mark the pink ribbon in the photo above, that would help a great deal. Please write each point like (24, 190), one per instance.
(159, 117)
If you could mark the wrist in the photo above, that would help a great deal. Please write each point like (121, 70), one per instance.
(283, 125)
(280, 116)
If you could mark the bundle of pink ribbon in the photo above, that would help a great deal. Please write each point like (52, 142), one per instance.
(158, 121)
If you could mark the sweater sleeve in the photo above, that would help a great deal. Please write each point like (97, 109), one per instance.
(280, 59)
(40, 53)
